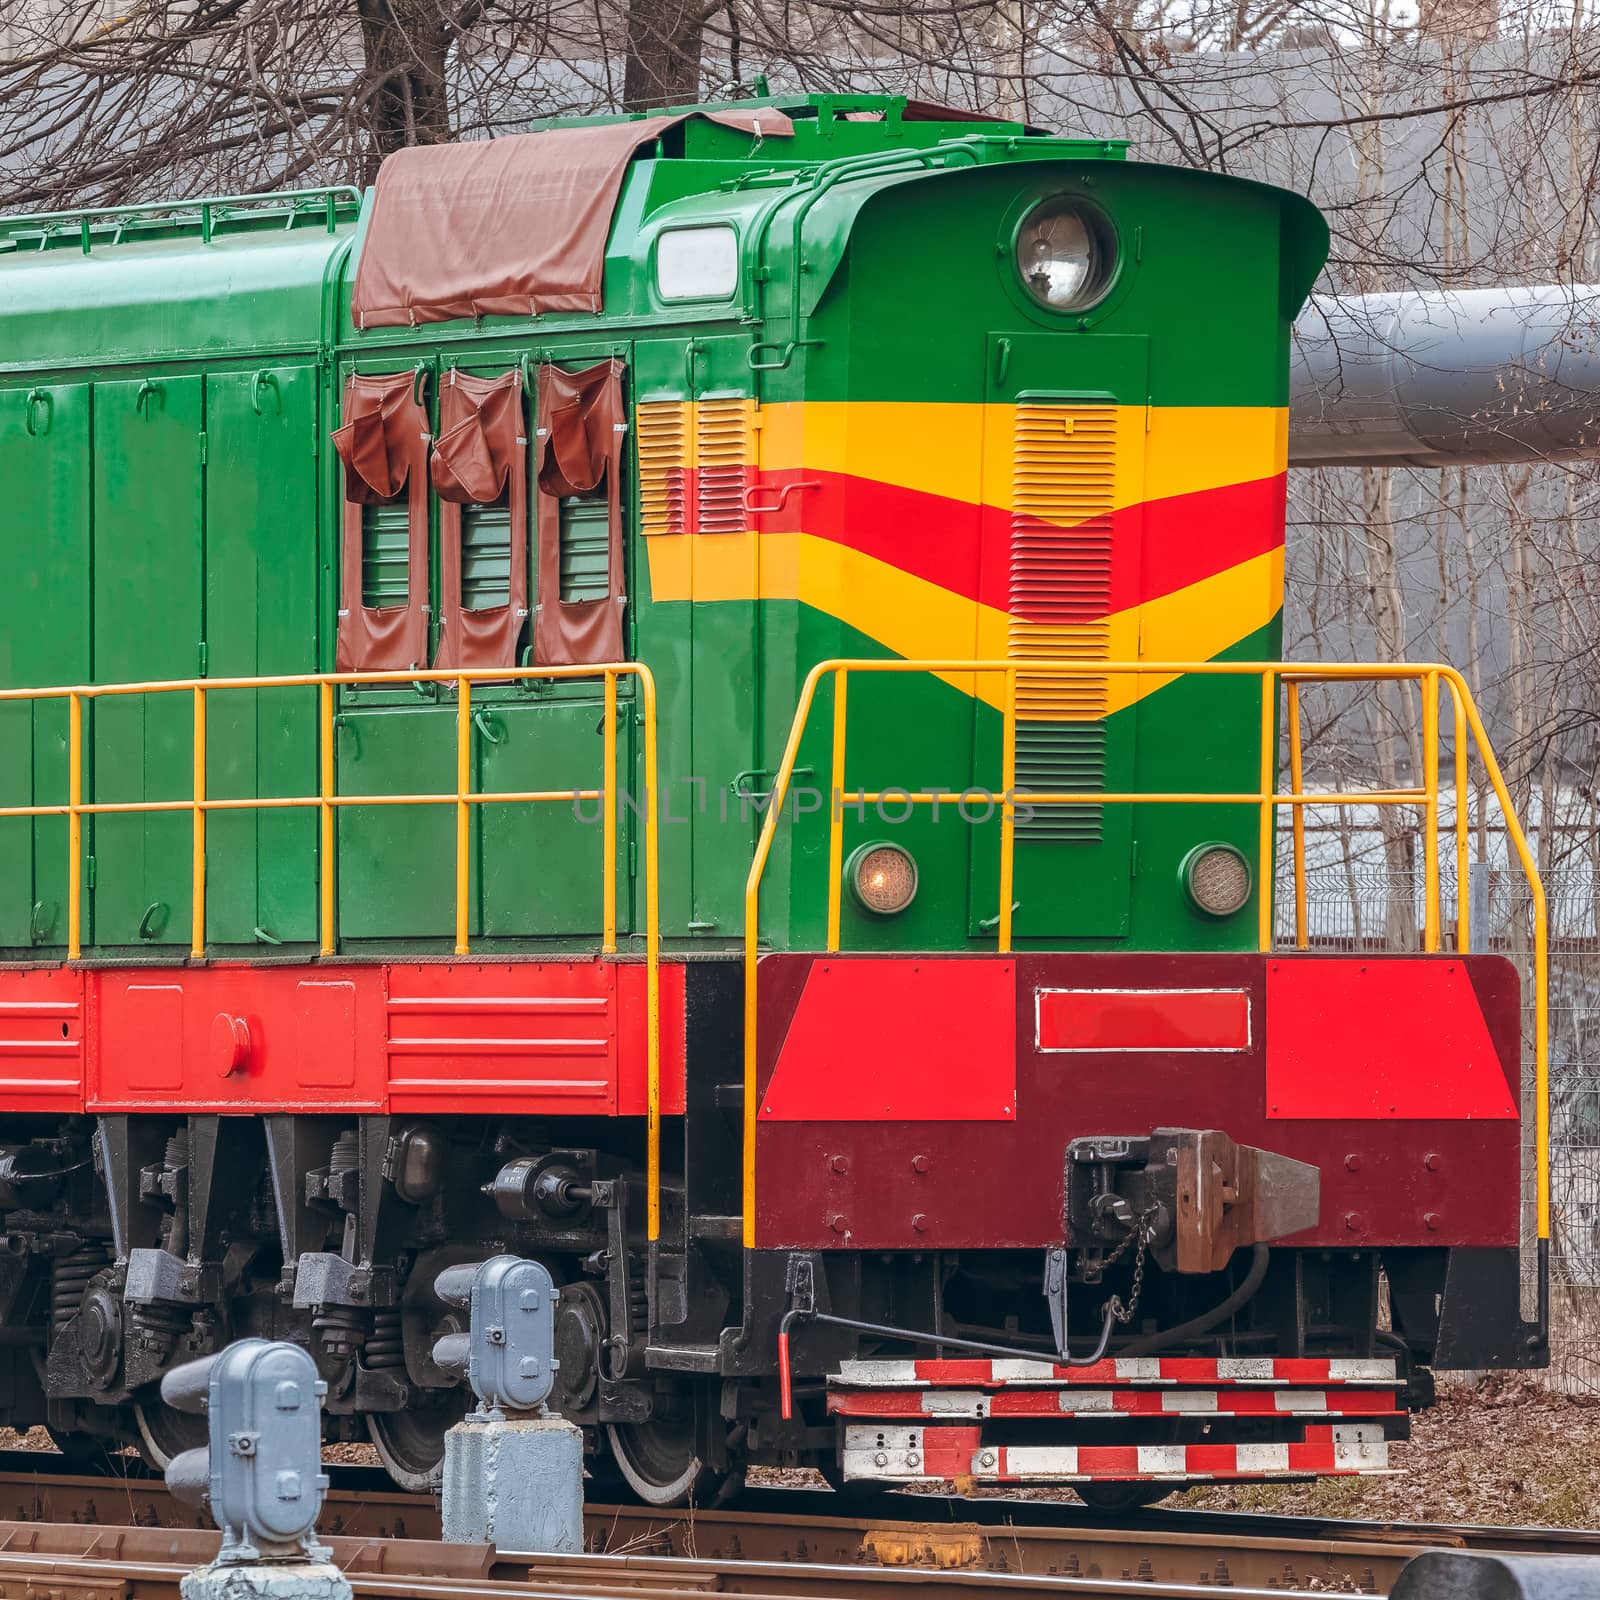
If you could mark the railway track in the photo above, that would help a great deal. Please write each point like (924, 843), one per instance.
(69, 1537)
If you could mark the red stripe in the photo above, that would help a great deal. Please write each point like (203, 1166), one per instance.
(947, 1452)
(1163, 545)
(907, 1404)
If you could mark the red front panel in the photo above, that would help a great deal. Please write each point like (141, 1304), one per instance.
(41, 1040)
(1304, 1056)
(531, 1038)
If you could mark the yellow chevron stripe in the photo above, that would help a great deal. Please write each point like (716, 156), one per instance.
(913, 618)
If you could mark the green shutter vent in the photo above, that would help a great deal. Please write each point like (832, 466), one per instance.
(385, 554)
(486, 556)
(1062, 758)
(585, 548)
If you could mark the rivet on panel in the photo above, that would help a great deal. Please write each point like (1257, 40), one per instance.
(1352, 1220)
(919, 1221)
(839, 1163)
(839, 1223)
(920, 1163)
(1431, 1161)
(1431, 1218)
(1352, 1162)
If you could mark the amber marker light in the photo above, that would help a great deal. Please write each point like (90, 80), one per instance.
(1217, 878)
(882, 878)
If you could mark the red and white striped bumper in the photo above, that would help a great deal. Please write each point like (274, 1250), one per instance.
(1020, 1421)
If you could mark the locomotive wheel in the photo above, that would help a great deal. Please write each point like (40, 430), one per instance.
(1115, 1498)
(410, 1443)
(165, 1433)
(660, 1461)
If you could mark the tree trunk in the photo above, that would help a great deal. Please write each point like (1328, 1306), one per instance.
(405, 44)
(663, 66)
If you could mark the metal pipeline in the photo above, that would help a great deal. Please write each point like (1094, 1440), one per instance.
(1436, 379)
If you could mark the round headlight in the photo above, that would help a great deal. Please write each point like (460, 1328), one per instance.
(882, 878)
(1217, 878)
(1065, 253)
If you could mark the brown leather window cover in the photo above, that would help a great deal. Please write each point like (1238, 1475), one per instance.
(383, 444)
(504, 227)
(580, 449)
(481, 453)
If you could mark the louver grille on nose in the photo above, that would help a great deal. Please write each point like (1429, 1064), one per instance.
(1062, 496)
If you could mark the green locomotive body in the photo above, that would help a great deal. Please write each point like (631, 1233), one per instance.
(547, 475)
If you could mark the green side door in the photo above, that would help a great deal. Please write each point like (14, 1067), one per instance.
(148, 624)
(260, 621)
(1070, 464)
(44, 465)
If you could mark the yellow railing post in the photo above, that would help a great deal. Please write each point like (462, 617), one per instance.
(1302, 937)
(841, 689)
(652, 957)
(74, 826)
(608, 819)
(1430, 813)
(326, 852)
(1008, 811)
(463, 810)
(1541, 952)
(1269, 772)
(1463, 860)
(197, 915)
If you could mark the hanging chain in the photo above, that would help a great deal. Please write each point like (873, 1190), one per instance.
(1139, 1236)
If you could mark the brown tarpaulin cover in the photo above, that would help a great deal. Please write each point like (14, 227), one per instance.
(580, 450)
(384, 447)
(481, 453)
(504, 227)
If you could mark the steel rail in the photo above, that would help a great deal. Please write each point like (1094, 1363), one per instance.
(68, 1520)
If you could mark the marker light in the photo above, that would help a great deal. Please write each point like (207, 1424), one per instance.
(882, 878)
(1065, 254)
(1217, 878)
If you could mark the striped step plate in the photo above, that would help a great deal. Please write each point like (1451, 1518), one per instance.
(1067, 1401)
(910, 1455)
(1256, 1371)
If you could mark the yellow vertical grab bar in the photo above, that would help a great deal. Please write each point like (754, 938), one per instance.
(1302, 937)
(1541, 950)
(1430, 813)
(841, 689)
(325, 854)
(1463, 862)
(1269, 773)
(1008, 811)
(74, 827)
(463, 810)
(197, 915)
(608, 820)
(652, 961)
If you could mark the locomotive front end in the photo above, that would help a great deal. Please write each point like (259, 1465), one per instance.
(1084, 1164)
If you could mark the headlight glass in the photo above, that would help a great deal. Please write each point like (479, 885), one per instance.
(882, 878)
(1065, 254)
(1217, 878)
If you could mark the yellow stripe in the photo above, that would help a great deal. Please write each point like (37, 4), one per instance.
(928, 447)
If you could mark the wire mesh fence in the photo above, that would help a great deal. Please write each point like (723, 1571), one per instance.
(1355, 902)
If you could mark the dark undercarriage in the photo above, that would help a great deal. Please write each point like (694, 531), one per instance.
(133, 1243)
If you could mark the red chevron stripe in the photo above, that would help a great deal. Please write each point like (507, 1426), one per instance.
(1179, 541)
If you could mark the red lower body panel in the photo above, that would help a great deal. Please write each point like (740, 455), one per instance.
(939, 1112)
(546, 1037)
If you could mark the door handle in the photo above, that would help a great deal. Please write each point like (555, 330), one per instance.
(147, 923)
(1002, 359)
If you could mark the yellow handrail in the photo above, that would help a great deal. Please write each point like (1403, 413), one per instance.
(1267, 797)
(327, 801)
